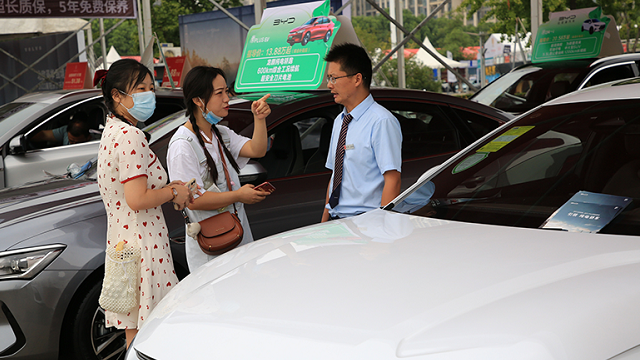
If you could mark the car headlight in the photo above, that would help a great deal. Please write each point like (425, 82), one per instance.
(299, 31)
(27, 263)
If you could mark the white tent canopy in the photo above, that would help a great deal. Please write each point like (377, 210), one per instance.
(431, 62)
(496, 43)
(112, 56)
(21, 27)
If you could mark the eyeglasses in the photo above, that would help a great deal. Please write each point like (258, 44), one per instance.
(332, 79)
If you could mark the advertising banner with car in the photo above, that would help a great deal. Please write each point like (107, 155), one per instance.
(286, 50)
(576, 34)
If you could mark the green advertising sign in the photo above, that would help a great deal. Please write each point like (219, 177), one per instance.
(571, 35)
(286, 50)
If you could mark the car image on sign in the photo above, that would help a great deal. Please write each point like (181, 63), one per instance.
(593, 25)
(316, 28)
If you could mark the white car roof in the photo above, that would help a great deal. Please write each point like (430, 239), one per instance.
(617, 90)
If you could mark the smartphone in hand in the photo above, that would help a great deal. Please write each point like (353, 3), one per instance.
(265, 186)
(192, 186)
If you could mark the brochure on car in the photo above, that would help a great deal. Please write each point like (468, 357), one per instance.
(587, 212)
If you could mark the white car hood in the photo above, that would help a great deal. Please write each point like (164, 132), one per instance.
(385, 285)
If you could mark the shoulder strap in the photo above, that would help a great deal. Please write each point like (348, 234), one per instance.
(225, 136)
(226, 174)
(202, 158)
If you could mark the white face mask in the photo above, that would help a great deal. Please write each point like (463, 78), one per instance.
(209, 115)
(144, 104)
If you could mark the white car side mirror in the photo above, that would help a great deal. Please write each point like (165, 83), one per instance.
(17, 145)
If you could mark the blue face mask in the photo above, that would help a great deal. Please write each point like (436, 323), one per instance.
(144, 104)
(211, 118)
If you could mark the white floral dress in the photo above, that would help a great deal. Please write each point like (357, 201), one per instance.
(125, 155)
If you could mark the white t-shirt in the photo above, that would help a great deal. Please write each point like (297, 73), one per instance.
(182, 160)
(182, 164)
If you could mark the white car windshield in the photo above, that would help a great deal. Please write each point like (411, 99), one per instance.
(13, 113)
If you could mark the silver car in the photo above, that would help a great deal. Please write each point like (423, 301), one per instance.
(24, 161)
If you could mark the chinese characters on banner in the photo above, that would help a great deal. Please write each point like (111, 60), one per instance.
(576, 34)
(77, 76)
(286, 50)
(68, 8)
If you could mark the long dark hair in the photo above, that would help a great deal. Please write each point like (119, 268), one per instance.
(123, 75)
(198, 83)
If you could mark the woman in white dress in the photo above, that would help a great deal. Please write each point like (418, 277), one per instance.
(133, 186)
(207, 100)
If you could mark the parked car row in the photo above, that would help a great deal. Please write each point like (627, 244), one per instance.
(457, 267)
(52, 248)
(530, 85)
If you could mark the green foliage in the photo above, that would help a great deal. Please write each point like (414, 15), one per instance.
(417, 76)
(124, 38)
(164, 22)
(506, 11)
(447, 34)
(199, 6)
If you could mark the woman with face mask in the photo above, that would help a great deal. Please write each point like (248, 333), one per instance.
(207, 100)
(133, 186)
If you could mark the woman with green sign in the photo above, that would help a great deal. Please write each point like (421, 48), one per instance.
(213, 155)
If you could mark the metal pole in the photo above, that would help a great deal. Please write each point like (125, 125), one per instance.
(343, 7)
(103, 44)
(166, 66)
(384, 13)
(536, 18)
(402, 82)
(257, 9)
(229, 14)
(482, 74)
(146, 5)
(90, 53)
(26, 65)
(78, 54)
(515, 51)
(410, 36)
(16, 84)
(140, 29)
(524, 29)
(47, 54)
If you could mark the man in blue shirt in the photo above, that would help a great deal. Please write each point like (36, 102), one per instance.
(366, 140)
(76, 132)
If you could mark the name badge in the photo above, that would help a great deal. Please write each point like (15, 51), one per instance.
(349, 147)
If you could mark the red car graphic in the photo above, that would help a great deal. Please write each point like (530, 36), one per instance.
(320, 27)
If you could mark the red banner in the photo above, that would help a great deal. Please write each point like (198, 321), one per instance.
(76, 76)
(179, 67)
(68, 9)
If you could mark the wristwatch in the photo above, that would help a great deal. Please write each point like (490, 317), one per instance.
(174, 191)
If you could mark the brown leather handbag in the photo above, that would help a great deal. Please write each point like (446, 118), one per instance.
(223, 232)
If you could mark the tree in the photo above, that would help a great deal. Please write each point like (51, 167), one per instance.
(124, 38)
(199, 6)
(164, 22)
(506, 11)
(418, 76)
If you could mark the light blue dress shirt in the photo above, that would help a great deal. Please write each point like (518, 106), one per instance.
(61, 135)
(373, 147)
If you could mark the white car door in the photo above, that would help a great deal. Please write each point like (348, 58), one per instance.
(23, 166)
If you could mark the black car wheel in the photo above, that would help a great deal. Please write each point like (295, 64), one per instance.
(327, 36)
(305, 39)
(90, 338)
(591, 30)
